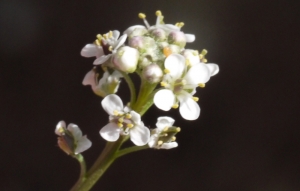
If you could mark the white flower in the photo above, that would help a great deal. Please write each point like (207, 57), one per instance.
(111, 41)
(163, 136)
(91, 50)
(180, 83)
(70, 139)
(123, 121)
(108, 84)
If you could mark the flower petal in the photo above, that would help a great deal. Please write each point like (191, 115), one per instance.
(164, 99)
(135, 117)
(89, 78)
(110, 132)
(91, 50)
(120, 42)
(153, 141)
(102, 59)
(83, 144)
(116, 34)
(169, 145)
(175, 63)
(61, 124)
(213, 68)
(132, 28)
(189, 109)
(163, 122)
(111, 103)
(190, 37)
(76, 132)
(139, 135)
(199, 73)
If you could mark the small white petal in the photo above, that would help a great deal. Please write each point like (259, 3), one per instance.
(153, 140)
(135, 117)
(139, 135)
(110, 132)
(76, 132)
(169, 145)
(111, 103)
(60, 125)
(175, 63)
(116, 34)
(163, 122)
(164, 99)
(102, 59)
(199, 73)
(83, 144)
(213, 68)
(132, 28)
(91, 50)
(89, 78)
(189, 109)
(190, 37)
(120, 42)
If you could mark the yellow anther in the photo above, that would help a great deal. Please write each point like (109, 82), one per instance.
(204, 52)
(115, 112)
(173, 138)
(128, 116)
(166, 71)
(201, 85)
(195, 98)
(201, 56)
(97, 42)
(121, 120)
(61, 130)
(175, 106)
(130, 125)
(105, 36)
(120, 125)
(110, 34)
(142, 15)
(163, 84)
(187, 62)
(166, 134)
(195, 52)
(204, 60)
(158, 13)
(160, 143)
(166, 129)
(99, 37)
(167, 51)
(178, 129)
(181, 24)
(110, 48)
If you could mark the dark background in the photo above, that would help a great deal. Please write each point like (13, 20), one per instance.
(247, 137)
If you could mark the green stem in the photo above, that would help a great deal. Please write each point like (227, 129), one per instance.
(130, 150)
(81, 179)
(131, 87)
(106, 158)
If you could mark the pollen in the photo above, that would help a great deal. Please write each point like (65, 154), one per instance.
(128, 116)
(178, 129)
(175, 106)
(167, 51)
(201, 85)
(166, 71)
(120, 125)
(130, 125)
(158, 13)
(142, 15)
(195, 98)
(173, 138)
(160, 143)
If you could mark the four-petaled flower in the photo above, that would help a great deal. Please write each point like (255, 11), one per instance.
(123, 121)
(70, 139)
(163, 135)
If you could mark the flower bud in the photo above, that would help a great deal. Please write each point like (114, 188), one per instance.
(152, 73)
(158, 34)
(126, 59)
(177, 38)
(138, 31)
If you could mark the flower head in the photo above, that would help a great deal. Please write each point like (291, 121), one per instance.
(123, 121)
(70, 139)
(163, 137)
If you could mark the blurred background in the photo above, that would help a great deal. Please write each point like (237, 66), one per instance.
(247, 136)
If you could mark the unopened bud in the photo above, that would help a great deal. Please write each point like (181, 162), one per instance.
(159, 34)
(126, 59)
(152, 73)
(178, 38)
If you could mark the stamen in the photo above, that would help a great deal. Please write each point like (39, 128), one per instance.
(143, 16)
(187, 62)
(173, 138)
(120, 125)
(105, 36)
(167, 51)
(160, 143)
(201, 85)
(121, 120)
(158, 13)
(195, 98)
(61, 130)
(166, 134)
(166, 71)
(166, 129)
(204, 52)
(110, 48)
(178, 129)
(204, 60)
(99, 37)
(163, 84)
(115, 112)
(175, 106)
(128, 116)
(110, 34)
(179, 25)
(97, 42)
(130, 125)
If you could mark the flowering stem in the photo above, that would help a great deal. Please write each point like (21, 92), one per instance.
(81, 161)
(105, 159)
(131, 87)
(130, 150)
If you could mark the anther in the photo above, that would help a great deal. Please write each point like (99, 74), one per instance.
(97, 42)
(195, 98)
(158, 13)
(173, 138)
(110, 48)
(115, 112)
(204, 52)
(128, 116)
(120, 125)
(129, 125)
(204, 60)
(178, 129)
(163, 84)
(166, 71)
(105, 36)
(166, 129)
(201, 85)
(110, 34)
(166, 134)
(175, 106)
(142, 15)
(160, 143)
(121, 120)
